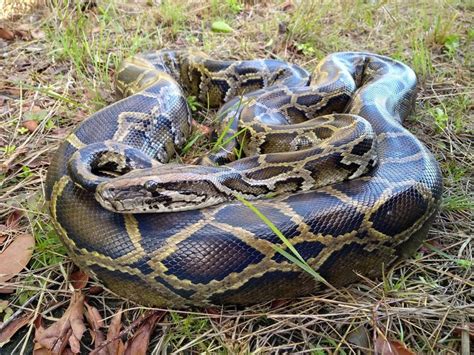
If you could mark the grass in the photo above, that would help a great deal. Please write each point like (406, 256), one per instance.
(64, 73)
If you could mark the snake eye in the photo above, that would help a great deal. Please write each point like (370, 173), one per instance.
(151, 185)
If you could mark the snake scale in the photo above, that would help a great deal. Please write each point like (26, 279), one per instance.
(327, 162)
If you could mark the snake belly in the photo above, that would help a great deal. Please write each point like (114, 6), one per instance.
(225, 254)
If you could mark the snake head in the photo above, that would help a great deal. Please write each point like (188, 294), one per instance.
(168, 188)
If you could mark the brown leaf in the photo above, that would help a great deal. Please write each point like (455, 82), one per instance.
(67, 330)
(74, 343)
(384, 346)
(39, 349)
(3, 229)
(6, 34)
(12, 327)
(11, 34)
(77, 321)
(13, 219)
(96, 322)
(114, 329)
(95, 290)
(13, 92)
(60, 132)
(202, 128)
(15, 257)
(79, 279)
(287, 5)
(30, 125)
(94, 316)
(138, 345)
(359, 336)
(465, 328)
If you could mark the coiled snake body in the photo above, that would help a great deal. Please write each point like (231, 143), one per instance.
(352, 191)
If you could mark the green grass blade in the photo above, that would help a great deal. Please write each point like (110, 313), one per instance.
(296, 257)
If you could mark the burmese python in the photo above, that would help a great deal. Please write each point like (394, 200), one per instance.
(352, 191)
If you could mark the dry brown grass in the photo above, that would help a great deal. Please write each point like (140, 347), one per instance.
(60, 72)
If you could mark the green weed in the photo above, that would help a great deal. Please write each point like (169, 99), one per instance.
(440, 117)
(173, 16)
(458, 203)
(8, 149)
(421, 60)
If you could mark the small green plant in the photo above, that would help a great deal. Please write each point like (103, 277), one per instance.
(185, 329)
(442, 29)
(470, 34)
(225, 8)
(458, 203)
(305, 22)
(455, 170)
(191, 142)
(40, 116)
(421, 59)
(173, 16)
(440, 117)
(8, 149)
(221, 26)
(451, 44)
(464, 263)
(306, 48)
(25, 172)
(22, 130)
(193, 103)
(221, 141)
(235, 6)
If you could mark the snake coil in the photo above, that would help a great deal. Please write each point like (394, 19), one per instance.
(328, 162)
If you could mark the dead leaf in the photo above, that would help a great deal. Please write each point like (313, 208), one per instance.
(15, 257)
(68, 330)
(360, 337)
(10, 35)
(202, 128)
(13, 219)
(94, 316)
(60, 132)
(11, 92)
(384, 346)
(12, 327)
(95, 290)
(465, 328)
(6, 34)
(38, 349)
(287, 5)
(117, 346)
(96, 323)
(138, 345)
(79, 279)
(30, 125)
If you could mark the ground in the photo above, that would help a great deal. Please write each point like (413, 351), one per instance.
(56, 68)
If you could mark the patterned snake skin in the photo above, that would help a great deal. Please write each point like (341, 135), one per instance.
(350, 203)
